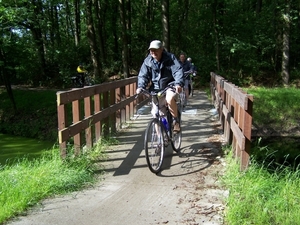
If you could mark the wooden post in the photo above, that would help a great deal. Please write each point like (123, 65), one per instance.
(112, 118)
(97, 108)
(247, 129)
(88, 131)
(62, 121)
(118, 113)
(127, 95)
(76, 118)
(105, 126)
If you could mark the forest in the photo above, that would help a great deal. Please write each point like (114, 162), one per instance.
(248, 42)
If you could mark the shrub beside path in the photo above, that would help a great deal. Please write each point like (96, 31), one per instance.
(187, 191)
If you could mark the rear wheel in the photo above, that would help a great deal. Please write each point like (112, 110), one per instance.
(154, 146)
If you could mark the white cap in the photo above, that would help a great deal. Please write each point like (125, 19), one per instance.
(156, 44)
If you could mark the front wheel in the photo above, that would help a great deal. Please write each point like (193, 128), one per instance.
(176, 137)
(154, 146)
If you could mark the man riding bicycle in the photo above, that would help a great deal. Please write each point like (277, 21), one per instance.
(81, 74)
(186, 66)
(161, 68)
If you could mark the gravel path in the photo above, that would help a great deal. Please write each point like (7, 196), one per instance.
(187, 191)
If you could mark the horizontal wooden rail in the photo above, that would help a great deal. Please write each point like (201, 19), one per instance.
(235, 113)
(86, 114)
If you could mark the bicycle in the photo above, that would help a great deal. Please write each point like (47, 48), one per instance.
(159, 132)
(190, 74)
(77, 80)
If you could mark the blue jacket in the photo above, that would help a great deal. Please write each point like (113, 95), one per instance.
(169, 70)
(186, 66)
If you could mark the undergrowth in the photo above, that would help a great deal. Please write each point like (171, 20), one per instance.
(26, 182)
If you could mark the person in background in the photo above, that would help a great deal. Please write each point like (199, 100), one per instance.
(81, 74)
(194, 68)
(161, 68)
(186, 66)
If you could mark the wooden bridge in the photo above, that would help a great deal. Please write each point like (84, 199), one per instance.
(86, 114)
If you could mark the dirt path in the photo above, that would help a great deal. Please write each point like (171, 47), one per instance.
(187, 191)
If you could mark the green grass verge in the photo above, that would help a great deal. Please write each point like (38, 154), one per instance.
(13, 147)
(26, 182)
(258, 196)
(278, 108)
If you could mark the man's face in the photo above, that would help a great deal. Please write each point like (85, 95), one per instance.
(156, 53)
(182, 58)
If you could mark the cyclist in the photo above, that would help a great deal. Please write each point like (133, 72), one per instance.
(194, 68)
(81, 74)
(160, 68)
(187, 66)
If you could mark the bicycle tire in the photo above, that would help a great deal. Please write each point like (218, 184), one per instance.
(154, 146)
(176, 137)
(182, 100)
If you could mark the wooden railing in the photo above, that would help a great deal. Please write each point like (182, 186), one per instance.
(234, 107)
(86, 114)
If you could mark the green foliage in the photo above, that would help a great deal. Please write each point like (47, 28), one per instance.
(38, 44)
(36, 115)
(26, 182)
(257, 196)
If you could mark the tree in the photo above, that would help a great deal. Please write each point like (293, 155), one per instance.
(165, 24)
(286, 44)
(125, 59)
(77, 20)
(92, 38)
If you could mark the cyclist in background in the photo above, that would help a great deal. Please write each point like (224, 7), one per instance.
(194, 68)
(161, 68)
(186, 66)
(81, 74)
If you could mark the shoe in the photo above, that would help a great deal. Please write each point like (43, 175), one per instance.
(176, 127)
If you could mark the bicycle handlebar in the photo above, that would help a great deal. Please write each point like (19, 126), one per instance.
(188, 72)
(159, 93)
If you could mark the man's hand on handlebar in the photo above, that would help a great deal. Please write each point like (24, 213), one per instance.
(138, 91)
(178, 89)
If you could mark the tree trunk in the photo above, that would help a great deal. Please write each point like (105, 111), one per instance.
(286, 45)
(38, 39)
(77, 21)
(128, 27)
(100, 31)
(215, 24)
(115, 35)
(124, 39)
(92, 40)
(258, 6)
(166, 24)
(4, 74)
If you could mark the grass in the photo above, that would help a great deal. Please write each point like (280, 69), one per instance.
(26, 182)
(13, 147)
(278, 108)
(268, 191)
(260, 196)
